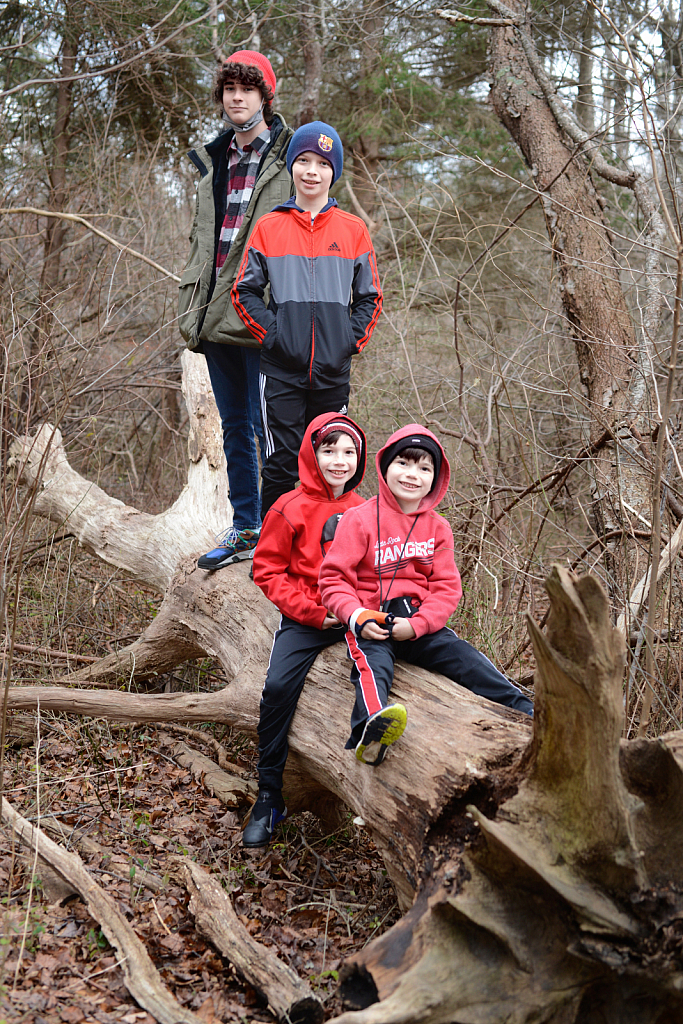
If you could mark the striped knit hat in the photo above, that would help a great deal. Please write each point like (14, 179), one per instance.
(345, 428)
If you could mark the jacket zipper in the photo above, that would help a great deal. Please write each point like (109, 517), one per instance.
(312, 274)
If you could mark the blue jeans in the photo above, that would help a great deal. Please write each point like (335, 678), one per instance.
(234, 373)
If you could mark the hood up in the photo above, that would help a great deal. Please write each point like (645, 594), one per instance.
(437, 493)
(310, 476)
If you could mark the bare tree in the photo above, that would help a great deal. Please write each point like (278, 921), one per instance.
(312, 34)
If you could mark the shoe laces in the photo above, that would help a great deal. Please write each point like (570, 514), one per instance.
(229, 536)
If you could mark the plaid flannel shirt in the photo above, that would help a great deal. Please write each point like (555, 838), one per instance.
(242, 170)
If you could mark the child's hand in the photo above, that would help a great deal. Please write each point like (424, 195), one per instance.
(373, 631)
(329, 621)
(402, 629)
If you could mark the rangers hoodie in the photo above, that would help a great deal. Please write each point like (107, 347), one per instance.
(298, 529)
(380, 553)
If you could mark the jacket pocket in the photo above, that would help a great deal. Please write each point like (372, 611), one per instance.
(291, 344)
(189, 291)
(334, 344)
(352, 350)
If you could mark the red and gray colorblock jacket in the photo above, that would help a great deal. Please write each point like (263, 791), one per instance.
(325, 296)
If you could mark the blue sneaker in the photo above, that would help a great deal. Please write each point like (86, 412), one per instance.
(268, 811)
(233, 546)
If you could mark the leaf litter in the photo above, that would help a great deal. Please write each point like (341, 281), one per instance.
(116, 795)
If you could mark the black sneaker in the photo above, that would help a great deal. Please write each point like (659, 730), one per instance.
(268, 811)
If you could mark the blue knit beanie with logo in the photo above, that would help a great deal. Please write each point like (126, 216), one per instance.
(317, 137)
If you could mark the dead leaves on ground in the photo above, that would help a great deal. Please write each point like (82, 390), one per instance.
(118, 797)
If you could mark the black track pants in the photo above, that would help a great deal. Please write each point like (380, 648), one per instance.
(295, 648)
(286, 411)
(444, 652)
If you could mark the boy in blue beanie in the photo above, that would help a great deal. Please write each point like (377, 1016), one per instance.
(325, 299)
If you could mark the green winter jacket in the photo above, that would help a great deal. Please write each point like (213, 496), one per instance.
(205, 311)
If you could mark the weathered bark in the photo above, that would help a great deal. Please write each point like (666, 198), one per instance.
(61, 143)
(365, 148)
(290, 998)
(311, 35)
(40, 350)
(561, 902)
(592, 296)
(231, 790)
(151, 546)
(585, 108)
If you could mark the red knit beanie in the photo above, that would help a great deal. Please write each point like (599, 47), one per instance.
(254, 59)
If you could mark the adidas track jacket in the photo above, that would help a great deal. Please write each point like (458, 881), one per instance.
(325, 296)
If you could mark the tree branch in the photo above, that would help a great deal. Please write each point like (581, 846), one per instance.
(456, 16)
(96, 231)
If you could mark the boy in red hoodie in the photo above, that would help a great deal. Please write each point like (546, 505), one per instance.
(295, 534)
(391, 575)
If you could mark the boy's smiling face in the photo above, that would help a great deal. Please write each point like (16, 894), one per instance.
(410, 481)
(338, 462)
(312, 175)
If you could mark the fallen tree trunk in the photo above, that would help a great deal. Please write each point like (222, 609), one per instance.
(542, 876)
(453, 738)
(545, 872)
(290, 998)
(231, 790)
(151, 546)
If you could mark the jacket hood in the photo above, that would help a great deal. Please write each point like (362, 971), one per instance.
(310, 476)
(437, 493)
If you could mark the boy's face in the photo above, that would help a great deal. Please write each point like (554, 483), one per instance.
(312, 176)
(338, 462)
(241, 102)
(410, 481)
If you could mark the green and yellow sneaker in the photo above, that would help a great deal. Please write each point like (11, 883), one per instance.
(381, 730)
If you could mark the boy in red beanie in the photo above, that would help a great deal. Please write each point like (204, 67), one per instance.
(325, 299)
(391, 575)
(295, 534)
(243, 176)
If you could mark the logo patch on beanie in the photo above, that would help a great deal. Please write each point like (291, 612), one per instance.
(325, 143)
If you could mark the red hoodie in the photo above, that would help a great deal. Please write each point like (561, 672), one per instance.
(297, 530)
(418, 545)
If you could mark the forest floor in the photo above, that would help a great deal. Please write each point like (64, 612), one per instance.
(117, 796)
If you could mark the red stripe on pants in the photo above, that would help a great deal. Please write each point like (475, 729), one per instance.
(368, 684)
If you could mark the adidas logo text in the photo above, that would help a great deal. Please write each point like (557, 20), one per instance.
(333, 248)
